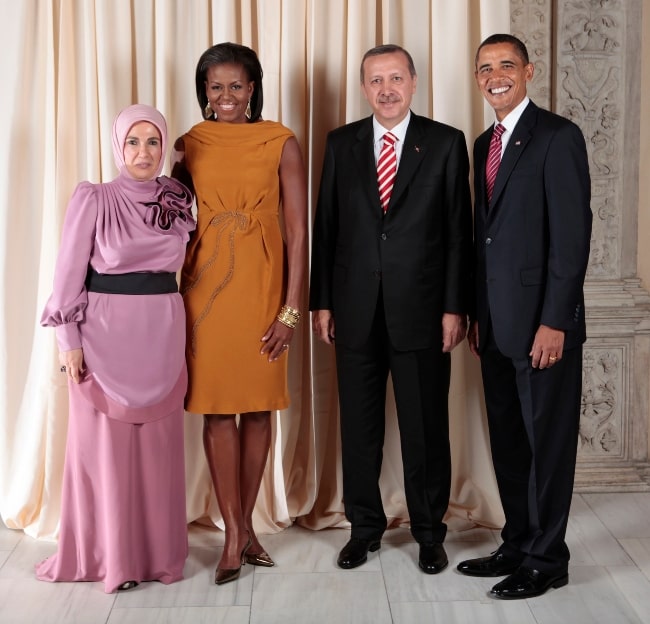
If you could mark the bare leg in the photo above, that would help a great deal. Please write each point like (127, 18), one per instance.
(221, 443)
(255, 441)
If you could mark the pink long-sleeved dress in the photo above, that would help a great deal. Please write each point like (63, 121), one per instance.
(123, 507)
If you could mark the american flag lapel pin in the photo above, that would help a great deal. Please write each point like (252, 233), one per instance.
(417, 149)
(517, 142)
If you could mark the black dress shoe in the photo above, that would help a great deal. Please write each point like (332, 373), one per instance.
(355, 552)
(497, 564)
(433, 558)
(528, 583)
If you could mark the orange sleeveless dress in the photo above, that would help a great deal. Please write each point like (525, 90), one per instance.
(234, 276)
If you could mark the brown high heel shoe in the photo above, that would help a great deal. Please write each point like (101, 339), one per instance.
(260, 559)
(225, 575)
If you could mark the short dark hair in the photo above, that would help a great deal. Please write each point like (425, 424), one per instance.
(518, 44)
(238, 55)
(388, 48)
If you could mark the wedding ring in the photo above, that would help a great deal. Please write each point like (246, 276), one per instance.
(286, 346)
(62, 369)
(552, 358)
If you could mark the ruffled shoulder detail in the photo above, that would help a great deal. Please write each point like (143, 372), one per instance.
(171, 209)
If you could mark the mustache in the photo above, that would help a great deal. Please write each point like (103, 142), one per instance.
(388, 99)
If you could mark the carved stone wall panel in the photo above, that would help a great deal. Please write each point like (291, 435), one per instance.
(590, 91)
(531, 22)
(603, 422)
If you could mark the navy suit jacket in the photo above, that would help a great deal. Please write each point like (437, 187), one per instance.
(419, 252)
(532, 240)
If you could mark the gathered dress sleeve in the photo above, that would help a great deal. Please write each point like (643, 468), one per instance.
(66, 306)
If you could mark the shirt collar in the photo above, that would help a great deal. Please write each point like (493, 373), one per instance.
(511, 119)
(399, 130)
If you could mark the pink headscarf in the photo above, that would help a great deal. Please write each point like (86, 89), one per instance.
(125, 120)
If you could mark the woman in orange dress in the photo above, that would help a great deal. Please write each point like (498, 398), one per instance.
(241, 282)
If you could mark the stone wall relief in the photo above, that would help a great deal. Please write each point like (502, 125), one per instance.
(591, 79)
(601, 425)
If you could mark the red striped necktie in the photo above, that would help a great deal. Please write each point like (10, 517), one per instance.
(493, 159)
(386, 169)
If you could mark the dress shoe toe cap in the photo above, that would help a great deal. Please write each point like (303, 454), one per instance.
(355, 552)
(433, 558)
(497, 564)
(527, 583)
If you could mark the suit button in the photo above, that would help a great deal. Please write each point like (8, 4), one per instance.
(488, 241)
(383, 236)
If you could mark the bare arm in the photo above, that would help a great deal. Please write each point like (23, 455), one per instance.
(294, 206)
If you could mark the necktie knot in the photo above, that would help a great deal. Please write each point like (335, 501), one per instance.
(499, 129)
(389, 138)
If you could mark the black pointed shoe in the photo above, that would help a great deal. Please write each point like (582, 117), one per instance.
(497, 564)
(355, 552)
(227, 575)
(433, 558)
(528, 583)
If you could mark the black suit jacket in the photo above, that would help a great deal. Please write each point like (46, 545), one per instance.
(419, 252)
(532, 241)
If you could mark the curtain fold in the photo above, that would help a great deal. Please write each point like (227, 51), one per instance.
(71, 66)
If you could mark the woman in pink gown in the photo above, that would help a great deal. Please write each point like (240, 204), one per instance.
(120, 328)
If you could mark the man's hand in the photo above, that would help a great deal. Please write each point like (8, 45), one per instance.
(322, 323)
(547, 347)
(454, 327)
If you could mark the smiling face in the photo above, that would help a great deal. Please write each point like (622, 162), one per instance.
(389, 87)
(501, 75)
(229, 90)
(142, 151)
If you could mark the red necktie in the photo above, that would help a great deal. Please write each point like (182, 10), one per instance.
(386, 169)
(493, 159)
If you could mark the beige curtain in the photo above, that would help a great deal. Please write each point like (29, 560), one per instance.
(68, 67)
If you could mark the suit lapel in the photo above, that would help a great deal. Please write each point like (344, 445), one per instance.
(364, 154)
(520, 136)
(413, 152)
(481, 152)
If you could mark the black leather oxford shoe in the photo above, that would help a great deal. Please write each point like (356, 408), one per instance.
(433, 558)
(355, 552)
(528, 583)
(497, 564)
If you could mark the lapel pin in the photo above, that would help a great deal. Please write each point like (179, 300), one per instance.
(417, 149)
(517, 142)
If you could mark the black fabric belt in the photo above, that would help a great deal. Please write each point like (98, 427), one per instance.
(143, 283)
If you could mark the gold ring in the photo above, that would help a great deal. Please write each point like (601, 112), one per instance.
(552, 358)
(286, 346)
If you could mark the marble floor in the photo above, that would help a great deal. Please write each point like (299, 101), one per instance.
(609, 538)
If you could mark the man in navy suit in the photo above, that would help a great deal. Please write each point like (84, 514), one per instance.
(390, 288)
(531, 239)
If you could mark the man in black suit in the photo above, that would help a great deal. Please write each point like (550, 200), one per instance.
(531, 238)
(389, 287)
